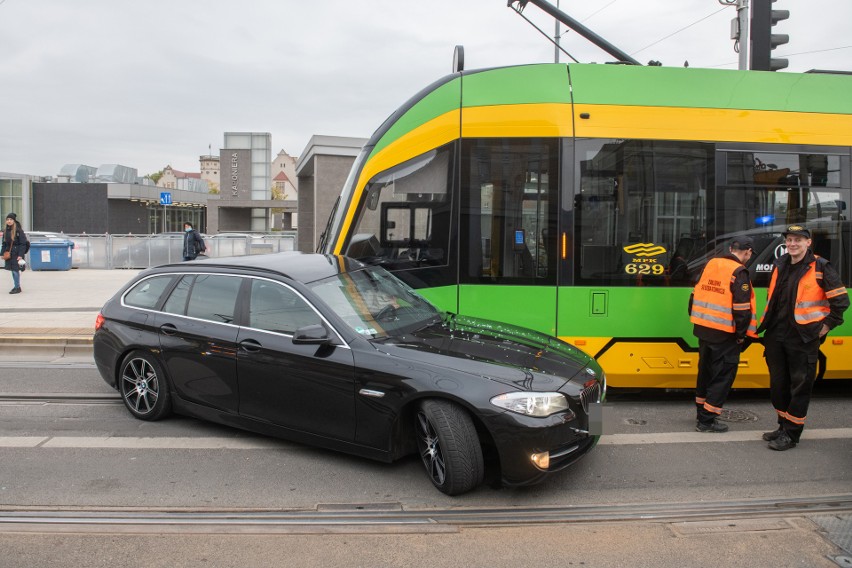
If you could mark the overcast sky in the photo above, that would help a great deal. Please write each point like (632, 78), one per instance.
(153, 83)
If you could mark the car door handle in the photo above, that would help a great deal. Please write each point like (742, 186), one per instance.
(251, 345)
(168, 329)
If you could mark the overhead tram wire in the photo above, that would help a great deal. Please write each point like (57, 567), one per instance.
(590, 16)
(542, 32)
(682, 29)
(785, 55)
(598, 11)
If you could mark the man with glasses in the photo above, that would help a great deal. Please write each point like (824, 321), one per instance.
(723, 310)
(806, 299)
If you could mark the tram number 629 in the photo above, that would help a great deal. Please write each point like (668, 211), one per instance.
(655, 269)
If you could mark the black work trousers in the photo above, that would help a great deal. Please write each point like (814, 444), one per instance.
(717, 369)
(792, 371)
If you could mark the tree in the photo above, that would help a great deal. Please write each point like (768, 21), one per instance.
(278, 192)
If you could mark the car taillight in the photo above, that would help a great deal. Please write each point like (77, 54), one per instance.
(99, 321)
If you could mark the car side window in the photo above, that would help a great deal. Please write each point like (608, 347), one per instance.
(214, 298)
(176, 304)
(147, 293)
(274, 307)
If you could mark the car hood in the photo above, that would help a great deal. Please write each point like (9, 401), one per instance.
(514, 355)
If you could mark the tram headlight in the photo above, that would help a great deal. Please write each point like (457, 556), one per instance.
(538, 404)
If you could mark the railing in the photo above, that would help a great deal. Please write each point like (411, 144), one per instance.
(143, 251)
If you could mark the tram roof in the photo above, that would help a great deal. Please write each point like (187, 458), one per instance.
(625, 85)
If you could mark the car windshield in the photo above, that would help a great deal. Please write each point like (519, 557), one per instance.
(375, 303)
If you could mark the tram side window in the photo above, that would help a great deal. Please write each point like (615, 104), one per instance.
(641, 210)
(405, 218)
(764, 192)
(508, 212)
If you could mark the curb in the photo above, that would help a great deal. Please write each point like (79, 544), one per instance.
(45, 347)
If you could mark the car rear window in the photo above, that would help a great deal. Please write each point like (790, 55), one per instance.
(147, 293)
(214, 298)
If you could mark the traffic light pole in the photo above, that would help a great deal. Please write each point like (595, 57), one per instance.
(763, 41)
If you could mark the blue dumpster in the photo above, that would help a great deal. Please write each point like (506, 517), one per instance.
(54, 254)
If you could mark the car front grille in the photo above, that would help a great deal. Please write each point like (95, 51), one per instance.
(590, 394)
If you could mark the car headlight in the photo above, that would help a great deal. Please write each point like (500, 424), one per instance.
(532, 403)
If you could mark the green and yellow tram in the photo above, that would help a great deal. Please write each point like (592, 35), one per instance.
(583, 200)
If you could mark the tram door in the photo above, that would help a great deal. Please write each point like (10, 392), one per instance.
(508, 231)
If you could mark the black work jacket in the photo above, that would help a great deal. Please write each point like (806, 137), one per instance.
(780, 310)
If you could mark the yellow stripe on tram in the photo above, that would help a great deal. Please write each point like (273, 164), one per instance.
(664, 364)
(433, 134)
(605, 121)
(713, 124)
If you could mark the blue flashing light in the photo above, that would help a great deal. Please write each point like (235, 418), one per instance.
(765, 220)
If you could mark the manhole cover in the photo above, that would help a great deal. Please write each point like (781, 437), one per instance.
(738, 416)
(839, 531)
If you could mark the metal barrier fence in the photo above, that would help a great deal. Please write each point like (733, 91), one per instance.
(143, 251)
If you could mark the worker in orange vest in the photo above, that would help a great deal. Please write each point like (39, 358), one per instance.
(806, 299)
(723, 310)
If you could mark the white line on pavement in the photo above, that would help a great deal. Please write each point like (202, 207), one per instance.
(730, 436)
(217, 443)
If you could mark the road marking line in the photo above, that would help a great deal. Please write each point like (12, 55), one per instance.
(22, 441)
(730, 436)
(134, 443)
(218, 443)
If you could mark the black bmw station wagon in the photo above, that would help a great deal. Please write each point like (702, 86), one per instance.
(325, 350)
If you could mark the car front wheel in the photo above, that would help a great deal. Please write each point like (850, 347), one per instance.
(449, 446)
(143, 387)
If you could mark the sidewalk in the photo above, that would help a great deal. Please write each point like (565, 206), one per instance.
(54, 316)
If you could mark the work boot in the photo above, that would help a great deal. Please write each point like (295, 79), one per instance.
(769, 436)
(713, 427)
(782, 442)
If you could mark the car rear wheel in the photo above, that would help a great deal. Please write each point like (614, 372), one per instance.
(449, 446)
(143, 387)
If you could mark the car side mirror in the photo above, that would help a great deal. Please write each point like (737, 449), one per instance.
(315, 334)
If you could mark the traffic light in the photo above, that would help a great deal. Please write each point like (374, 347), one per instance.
(763, 41)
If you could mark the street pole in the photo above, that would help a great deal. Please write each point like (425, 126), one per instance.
(745, 24)
(556, 38)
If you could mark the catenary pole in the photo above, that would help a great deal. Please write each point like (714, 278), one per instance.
(744, 24)
(556, 37)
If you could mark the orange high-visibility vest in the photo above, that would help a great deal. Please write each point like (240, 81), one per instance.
(712, 301)
(811, 300)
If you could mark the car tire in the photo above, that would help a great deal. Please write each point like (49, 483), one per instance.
(143, 387)
(449, 446)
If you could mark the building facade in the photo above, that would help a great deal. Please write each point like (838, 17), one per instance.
(245, 188)
(176, 179)
(15, 192)
(322, 170)
(210, 171)
(115, 208)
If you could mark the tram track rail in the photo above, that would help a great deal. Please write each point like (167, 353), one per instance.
(394, 517)
(59, 398)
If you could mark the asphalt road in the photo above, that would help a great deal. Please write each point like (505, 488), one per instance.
(81, 451)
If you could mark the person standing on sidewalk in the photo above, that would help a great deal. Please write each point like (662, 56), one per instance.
(722, 308)
(806, 299)
(193, 244)
(15, 246)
